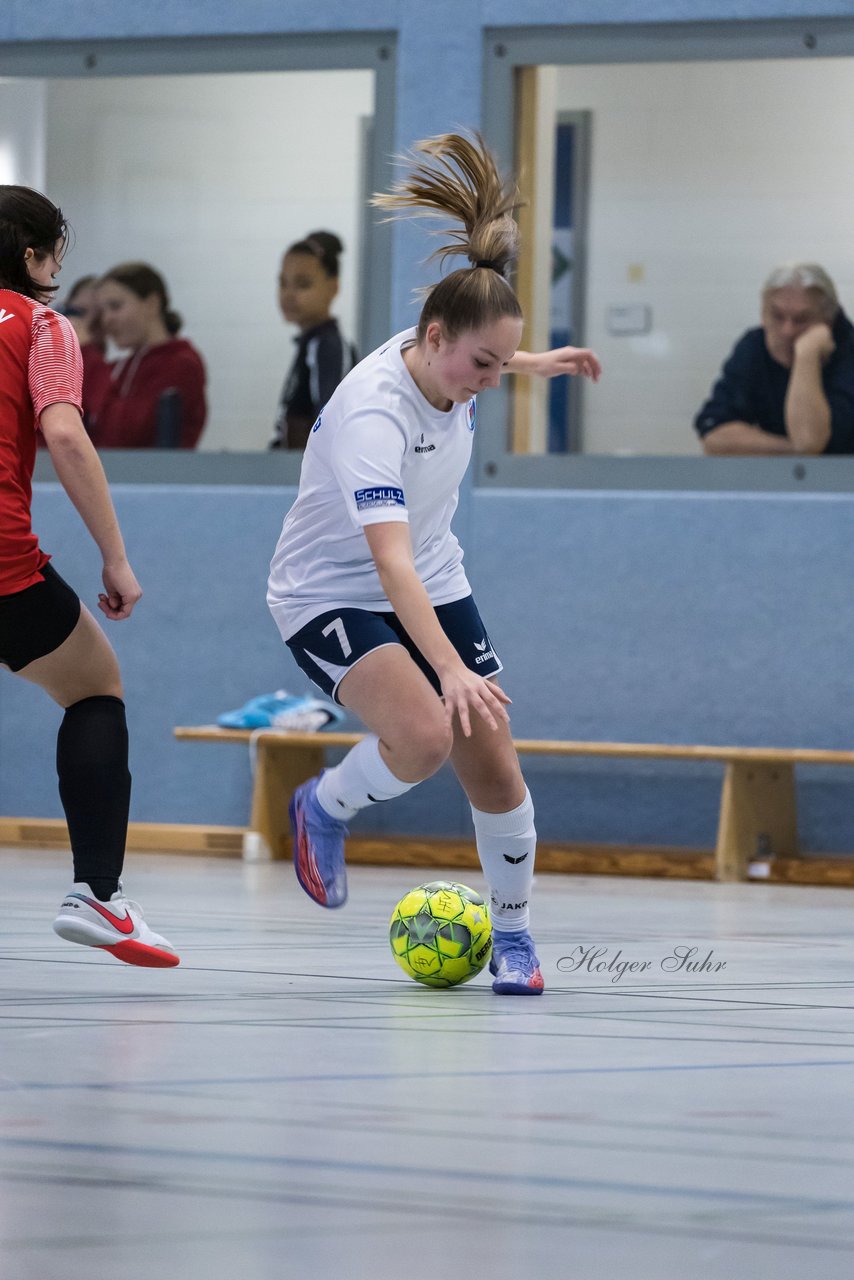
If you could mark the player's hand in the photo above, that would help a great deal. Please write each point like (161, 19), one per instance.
(122, 591)
(575, 361)
(464, 692)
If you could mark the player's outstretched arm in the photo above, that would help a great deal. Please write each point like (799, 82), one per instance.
(573, 361)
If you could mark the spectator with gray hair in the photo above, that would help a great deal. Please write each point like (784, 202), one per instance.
(788, 386)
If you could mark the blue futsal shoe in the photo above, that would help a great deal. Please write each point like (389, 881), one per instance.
(282, 710)
(515, 966)
(318, 848)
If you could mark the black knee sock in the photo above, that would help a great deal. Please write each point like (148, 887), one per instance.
(94, 786)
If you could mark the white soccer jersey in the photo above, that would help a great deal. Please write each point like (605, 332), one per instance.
(378, 452)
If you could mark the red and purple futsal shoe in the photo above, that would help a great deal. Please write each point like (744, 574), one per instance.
(515, 966)
(116, 926)
(318, 848)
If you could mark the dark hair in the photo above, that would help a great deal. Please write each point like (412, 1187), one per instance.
(28, 220)
(324, 246)
(461, 178)
(143, 280)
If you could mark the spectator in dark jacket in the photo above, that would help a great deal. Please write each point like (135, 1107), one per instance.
(787, 387)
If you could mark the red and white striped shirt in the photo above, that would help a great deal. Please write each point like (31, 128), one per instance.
(40, 364)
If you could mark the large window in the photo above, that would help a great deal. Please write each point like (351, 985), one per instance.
(207, 159)
(710, 156)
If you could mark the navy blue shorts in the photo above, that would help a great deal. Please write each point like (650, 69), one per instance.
(332, 643)
(37, 620)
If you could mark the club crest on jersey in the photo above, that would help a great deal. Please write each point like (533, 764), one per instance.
(381, 496)
(316, 426)
(472, 413)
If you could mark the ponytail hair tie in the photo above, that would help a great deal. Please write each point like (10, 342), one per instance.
(492, 266)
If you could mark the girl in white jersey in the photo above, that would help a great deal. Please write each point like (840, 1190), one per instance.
(367, 583)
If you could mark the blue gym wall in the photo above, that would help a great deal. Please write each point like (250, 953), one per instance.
(670, 617)
(674, 617)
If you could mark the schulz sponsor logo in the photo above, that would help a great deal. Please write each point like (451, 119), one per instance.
(603, 961)
(379, 496)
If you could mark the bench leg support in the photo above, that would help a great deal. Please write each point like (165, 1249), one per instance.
(758, 815)
(279, 770)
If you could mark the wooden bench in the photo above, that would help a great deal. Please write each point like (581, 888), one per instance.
(758, 812)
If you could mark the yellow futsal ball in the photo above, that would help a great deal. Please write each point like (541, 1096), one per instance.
(440, 933)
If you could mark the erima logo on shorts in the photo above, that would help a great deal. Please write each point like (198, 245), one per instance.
(379, 497)
(485, 654)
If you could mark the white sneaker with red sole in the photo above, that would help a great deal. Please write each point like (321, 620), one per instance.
(116, 926)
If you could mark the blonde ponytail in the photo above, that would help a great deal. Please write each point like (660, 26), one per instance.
(461, 180)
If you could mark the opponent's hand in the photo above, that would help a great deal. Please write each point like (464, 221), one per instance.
(122, 591)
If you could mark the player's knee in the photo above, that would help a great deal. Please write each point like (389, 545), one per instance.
(93, 685)
(425, 748)
(437, 747)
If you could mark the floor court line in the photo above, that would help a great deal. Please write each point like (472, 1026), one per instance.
(488, 1177)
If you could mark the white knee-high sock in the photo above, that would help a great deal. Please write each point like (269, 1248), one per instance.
(362, 778)
(506, 846)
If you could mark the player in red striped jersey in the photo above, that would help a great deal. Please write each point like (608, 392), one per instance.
(47, 636)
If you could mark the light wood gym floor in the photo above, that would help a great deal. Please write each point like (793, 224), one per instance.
(288, 1104)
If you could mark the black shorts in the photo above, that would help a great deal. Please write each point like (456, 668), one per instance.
(37, 620)
(332, 643)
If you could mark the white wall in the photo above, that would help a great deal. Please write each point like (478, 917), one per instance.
(706, 176)
(22, 132)
(209, 178)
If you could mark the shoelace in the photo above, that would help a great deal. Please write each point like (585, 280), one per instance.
(517, 955)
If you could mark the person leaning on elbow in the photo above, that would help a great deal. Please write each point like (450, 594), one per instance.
(788, 385)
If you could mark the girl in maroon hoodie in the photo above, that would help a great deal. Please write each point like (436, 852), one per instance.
(155, 395)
